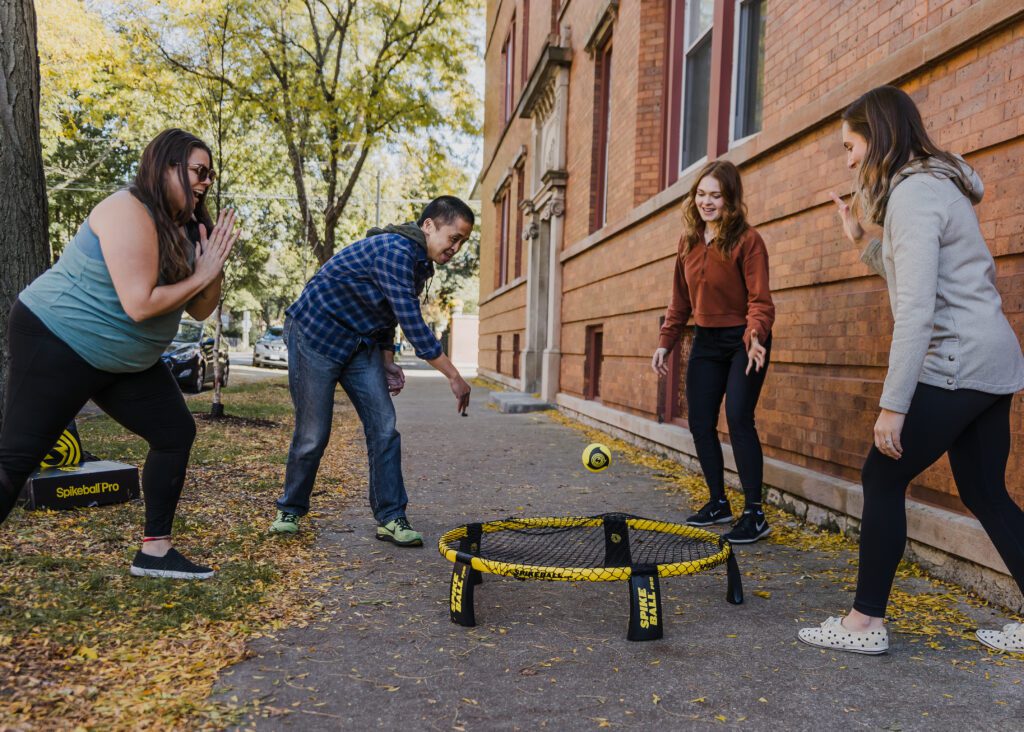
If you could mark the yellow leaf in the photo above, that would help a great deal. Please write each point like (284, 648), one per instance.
(762, 593)
(655, 698)
(87, 652)
(698, 700)
(763, 700)
(721, 718)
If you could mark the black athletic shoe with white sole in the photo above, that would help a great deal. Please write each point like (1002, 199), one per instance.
(713, 512)
(172, 565)
(750, 528)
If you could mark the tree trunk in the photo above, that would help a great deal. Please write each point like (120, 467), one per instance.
(24, 246)
(217, 406)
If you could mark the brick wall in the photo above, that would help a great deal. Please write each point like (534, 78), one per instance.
(502, 316)
(816, 45)
(651, 62)
(833, 327)
(505, 314)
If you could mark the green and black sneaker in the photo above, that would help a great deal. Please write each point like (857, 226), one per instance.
(285, 523)
(398, 532)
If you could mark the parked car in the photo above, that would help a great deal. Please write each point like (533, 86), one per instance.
(270, 349)
(190, 357)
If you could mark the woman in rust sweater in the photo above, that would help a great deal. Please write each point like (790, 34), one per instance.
(721, 279)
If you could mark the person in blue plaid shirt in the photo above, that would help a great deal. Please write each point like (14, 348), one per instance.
(341, 330)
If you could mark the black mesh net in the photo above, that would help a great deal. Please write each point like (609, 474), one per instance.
(593, 543)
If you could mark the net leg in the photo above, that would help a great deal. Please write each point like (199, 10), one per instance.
(616, 542)
(734, 593)
(461, 595)
(470, 544)
(644, 606)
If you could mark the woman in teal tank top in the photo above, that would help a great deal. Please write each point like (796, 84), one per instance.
(95, 324)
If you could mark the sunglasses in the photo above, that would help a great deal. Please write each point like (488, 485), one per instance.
(202, 172)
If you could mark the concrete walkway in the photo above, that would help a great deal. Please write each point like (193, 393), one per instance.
(552, 655)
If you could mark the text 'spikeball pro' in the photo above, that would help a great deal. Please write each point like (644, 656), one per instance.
(596, 457)
(612, 546)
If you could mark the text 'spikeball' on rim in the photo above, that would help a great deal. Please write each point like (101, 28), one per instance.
(596, 457)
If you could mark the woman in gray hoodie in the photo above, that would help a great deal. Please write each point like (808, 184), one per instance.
(954, 362)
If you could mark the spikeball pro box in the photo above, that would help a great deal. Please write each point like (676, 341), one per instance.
(63, 481)
(94, 483)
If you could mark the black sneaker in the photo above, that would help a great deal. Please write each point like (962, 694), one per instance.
(749, 529)
(171, 565)
(713, 512)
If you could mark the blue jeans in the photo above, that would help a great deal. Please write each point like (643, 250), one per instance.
(311, 381)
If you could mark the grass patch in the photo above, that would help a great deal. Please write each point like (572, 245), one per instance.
(83, 645)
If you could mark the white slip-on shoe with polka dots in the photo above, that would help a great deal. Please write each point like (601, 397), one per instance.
(1010, 638)
(832, 634)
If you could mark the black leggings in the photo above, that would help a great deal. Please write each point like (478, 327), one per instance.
(715, 370)
(974, 428)
(47, 385)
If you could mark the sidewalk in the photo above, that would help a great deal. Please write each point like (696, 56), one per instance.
(553, 655)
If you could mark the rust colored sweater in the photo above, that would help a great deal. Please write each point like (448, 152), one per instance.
(720, 293)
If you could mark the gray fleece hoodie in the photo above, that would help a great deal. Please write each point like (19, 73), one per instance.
(950, 330)
(410, 230)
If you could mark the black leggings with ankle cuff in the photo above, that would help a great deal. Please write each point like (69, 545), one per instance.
(48, 383)
(974, 428)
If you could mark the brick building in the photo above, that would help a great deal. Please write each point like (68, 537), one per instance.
(597, 115)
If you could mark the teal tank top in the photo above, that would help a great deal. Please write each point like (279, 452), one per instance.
(76, 300)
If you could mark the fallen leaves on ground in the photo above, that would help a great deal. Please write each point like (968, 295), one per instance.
(933, 613)
(85, 646)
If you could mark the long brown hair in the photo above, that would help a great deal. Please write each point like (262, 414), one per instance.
(171, 148)
(889, 120)
(733, 223)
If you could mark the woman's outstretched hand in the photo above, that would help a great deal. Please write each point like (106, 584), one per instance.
(851, 226)
(212, 251)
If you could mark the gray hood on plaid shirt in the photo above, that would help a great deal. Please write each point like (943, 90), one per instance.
(410, 230)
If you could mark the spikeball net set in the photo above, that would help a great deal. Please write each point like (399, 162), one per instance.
(604, 548)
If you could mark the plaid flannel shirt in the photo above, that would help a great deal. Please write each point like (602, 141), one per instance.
(362, 293)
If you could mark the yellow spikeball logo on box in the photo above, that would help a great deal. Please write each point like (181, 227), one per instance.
(66, 453)
(596, 457)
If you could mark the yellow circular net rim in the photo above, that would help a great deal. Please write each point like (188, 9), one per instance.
(448, 546)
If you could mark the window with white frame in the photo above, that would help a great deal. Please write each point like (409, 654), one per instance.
(749, 90)
(696, 80)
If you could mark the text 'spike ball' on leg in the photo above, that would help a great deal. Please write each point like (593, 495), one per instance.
(596, 457)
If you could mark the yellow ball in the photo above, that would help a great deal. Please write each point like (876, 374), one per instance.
(596, 457)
